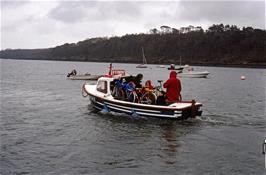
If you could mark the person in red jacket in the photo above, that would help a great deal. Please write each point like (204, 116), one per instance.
(173, 88)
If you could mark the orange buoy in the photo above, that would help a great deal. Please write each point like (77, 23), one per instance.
(242, 77)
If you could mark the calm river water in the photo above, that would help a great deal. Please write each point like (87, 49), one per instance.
(47, 127)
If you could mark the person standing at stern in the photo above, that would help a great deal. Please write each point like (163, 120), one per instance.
(173, 88)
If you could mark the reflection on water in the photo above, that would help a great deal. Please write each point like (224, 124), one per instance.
(172, 134)
(170, 149)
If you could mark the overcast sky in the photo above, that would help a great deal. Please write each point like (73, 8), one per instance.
(43, 24)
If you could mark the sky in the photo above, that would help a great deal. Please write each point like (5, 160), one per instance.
(30, 24)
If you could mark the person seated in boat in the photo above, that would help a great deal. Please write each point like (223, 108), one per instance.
(73, 72)
(148, 85)
(130, 92)
(118, 88)
(148, 88)
(161, 99)
(138, 86)
(147, 93)
(137, 81)
(128, 79)
(173, 88)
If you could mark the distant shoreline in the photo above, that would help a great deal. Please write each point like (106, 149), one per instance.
(256, 66)
(219, 46)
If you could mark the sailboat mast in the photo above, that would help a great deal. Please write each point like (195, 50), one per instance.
(143, 56)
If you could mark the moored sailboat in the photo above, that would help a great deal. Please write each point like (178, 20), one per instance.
(144, 61)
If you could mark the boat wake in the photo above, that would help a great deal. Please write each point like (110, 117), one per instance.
(211, 121)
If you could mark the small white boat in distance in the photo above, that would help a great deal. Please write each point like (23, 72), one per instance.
(84, 77)
(141, 66)
(144, 65)
(194, 74)
(74, 76)
(161, 66)
(190, 73)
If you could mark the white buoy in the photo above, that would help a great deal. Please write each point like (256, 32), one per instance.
(242, 77)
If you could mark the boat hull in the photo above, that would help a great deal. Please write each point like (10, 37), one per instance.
(193, 74)
(84, 77)
(188, 110)
(141, 66)
(160, 66)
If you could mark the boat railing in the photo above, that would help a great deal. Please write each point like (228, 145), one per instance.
(118, 72)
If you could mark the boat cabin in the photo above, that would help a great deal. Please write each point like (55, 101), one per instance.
(125, 90)
(104, 85)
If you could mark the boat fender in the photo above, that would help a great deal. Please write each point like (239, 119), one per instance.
(105, 109)
(242, 77)
(134, 114)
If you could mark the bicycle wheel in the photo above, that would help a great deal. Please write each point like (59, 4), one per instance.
(118, 92)
(132, 96)
(148, 98)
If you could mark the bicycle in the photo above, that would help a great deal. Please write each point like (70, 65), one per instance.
(125, 91)
(129, 92)
(150, 95)
(118, 91)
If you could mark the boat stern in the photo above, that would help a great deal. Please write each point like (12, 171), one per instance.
(190, 109)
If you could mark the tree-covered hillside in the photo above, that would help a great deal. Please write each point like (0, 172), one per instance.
(219, 45)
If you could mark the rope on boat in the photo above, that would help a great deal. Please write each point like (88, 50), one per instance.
(84, 92)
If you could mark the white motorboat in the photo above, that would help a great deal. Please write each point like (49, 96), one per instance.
(102, 98)
(160, 66)
(193, 74)
(189, 72)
